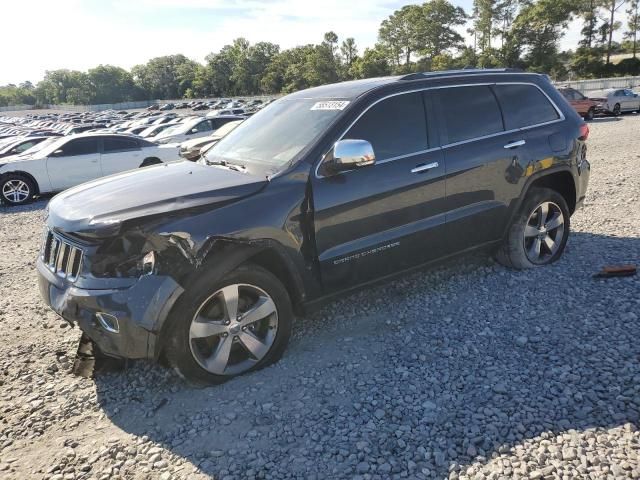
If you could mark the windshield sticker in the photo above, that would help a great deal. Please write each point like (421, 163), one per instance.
(333, 105)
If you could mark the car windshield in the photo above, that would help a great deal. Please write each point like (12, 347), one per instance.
(274, 136)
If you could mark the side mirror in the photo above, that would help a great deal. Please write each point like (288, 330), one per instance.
(351, 154)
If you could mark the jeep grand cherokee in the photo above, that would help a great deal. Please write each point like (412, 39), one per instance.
(323, 191)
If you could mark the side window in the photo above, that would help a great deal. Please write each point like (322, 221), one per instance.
(24, 146)
(524, 105)
(117, 144)
(578, 95)
(394, 127)
(80, 146)
(469, 112)
(202, 126)
(218, 122)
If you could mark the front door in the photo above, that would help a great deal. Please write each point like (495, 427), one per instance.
(76, 162)
(378, 219)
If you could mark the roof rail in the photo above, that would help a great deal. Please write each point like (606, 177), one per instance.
(465, 71)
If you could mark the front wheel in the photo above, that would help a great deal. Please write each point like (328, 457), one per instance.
(539, 233)
(16, 189)
(225, 327)
(616, 109)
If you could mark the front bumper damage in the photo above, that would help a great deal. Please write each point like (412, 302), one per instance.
(139, 309)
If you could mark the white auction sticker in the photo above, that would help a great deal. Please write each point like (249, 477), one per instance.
(331, 105)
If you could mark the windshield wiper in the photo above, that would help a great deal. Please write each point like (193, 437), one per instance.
(224, 163)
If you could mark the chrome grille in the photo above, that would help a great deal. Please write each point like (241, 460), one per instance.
(62, 258)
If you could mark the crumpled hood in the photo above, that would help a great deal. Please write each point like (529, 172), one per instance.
(105, 203)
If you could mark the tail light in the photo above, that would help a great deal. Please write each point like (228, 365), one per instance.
(584, 131)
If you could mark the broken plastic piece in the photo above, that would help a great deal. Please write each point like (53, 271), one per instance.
(616, 271)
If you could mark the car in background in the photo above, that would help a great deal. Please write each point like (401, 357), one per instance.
(16, 147)
(167, 106)
(586, 107)
(73, 160)
(192, 149)
(153, 130)
(155, 106)
(198, 127)
(200, 106)
(617, 100)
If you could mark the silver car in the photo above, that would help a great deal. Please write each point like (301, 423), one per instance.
(617, 100)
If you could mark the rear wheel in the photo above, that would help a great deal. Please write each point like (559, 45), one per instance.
(16, 189)
(590, 114)
(225, 327)
(616, 109)
(539, 233)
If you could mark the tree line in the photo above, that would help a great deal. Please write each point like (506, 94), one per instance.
(504, 33)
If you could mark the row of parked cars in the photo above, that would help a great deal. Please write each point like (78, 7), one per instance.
(50, 153)
(613, 101)
(238, 106)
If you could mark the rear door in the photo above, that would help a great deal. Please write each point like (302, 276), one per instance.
(375, 220)
(76, 162)
(120, 154)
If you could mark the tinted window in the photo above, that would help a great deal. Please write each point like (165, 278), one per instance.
(81, 146)
(469, 112)
(395, 126)
(524, 105)
(25, 146)
(112, 144)
(218, 122)
(202, 127)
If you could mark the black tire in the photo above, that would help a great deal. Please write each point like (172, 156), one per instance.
(515, 251)
(178, 350)
(11, 197)
(616, 110)
(590, 114)
(150, 161)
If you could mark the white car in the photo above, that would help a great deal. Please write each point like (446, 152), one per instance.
(75, 159)
(617, 100)
(198, 127)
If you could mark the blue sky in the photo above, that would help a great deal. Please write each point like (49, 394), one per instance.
(80, 34)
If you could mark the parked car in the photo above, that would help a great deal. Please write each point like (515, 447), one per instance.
(154, 130)
(200, 106)
(167, 106)
(586, 107)
(75, 159)
(617, 100)
(16, 147)
(191, 149)
(198, 127)
(323, 191)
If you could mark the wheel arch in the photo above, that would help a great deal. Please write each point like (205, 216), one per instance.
(224, 256)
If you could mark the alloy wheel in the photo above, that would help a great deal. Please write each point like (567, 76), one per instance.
(616, 109)
(543, 233)
(15, 191)
(233, 329)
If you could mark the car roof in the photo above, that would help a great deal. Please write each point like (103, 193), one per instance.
(354, 88)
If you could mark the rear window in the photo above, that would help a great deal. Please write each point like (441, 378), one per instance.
(394, 127)
(524, 105)
(469, 112)
(116, 144)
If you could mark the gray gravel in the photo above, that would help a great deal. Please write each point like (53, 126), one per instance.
(470, 371)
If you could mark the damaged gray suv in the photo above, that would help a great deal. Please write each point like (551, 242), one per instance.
(323, 191)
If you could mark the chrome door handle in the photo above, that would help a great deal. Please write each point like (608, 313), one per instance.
(424, 167)
(519, 143)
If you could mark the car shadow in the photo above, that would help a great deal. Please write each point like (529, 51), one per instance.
(414, 373)
(39, 204)
(605, 119)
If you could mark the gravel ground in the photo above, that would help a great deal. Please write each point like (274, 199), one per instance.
(469, 371)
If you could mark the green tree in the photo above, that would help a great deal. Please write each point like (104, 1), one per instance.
(373, 63)
(633, 25)
(612, 7)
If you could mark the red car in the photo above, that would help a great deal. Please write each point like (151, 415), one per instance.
(585, 107)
